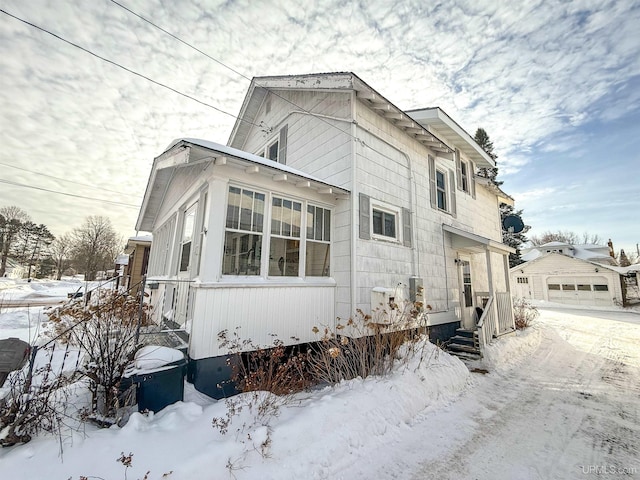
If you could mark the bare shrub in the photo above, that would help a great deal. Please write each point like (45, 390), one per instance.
(107, 330)
(37, 397)
(524, 313)
(369, 344)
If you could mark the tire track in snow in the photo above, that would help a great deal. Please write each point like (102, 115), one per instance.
(571, 406)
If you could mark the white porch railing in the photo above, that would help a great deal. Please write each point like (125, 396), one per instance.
(506, 323)
(496, 319)
(487, 325)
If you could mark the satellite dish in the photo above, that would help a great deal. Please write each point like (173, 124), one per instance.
(513, 223)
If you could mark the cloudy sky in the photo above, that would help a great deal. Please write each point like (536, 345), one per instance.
(556, 84)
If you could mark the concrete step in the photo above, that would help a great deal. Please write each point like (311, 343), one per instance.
(460, 340)
(462, 332)
(456, 347)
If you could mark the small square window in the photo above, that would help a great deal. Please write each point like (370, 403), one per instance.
(384, 223)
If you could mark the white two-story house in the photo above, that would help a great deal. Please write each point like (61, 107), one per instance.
(328, 199)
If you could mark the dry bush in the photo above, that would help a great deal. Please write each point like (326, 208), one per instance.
(37, 397)
(107, 330)
(278, 369)
(371, 348)
(524, 313)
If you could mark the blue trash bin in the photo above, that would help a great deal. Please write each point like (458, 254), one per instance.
(159, 377)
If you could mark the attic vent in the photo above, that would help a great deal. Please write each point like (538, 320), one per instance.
(267, 107)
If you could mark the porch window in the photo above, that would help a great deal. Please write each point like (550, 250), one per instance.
(187, 237)
(244, 229)
(553, 286)
(584, 287)
(318, 241)
(568, 286)
(284, 250)
(600, 288)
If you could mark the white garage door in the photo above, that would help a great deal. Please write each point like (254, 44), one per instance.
(579, 291)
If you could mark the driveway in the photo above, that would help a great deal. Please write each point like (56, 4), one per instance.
(570, 409)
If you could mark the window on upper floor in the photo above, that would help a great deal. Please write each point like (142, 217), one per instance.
(276, 148)
(465, 175)
(442, 188)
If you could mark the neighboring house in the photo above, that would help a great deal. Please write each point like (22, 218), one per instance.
(328, 199)
(565, 278)
(15, 270)
(589, 252)
(137, 250)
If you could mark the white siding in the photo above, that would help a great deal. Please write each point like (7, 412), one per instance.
(316, 144)
(257, 312)
(383, 174)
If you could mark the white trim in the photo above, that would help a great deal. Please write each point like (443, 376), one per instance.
(390, 209)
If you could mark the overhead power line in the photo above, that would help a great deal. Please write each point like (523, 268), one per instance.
(116, 64)
(112, 202)
(63, 179)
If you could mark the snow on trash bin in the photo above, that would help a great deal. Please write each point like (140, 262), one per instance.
(158, 373)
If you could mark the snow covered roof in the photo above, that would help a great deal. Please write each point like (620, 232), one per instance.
(588, 252)
(141, 238)
(189, 152)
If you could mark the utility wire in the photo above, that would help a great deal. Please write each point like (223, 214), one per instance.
(112, 202)
(219, 62)
(133, 72)
(63, 179)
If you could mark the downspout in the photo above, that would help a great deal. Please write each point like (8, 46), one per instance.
(354, 204)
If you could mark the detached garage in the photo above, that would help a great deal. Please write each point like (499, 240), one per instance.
(558, 278)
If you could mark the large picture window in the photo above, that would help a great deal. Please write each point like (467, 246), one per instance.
(244, 229)
(296, 228)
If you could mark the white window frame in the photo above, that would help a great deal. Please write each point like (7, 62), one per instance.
(464, 176)
(267, 235)
(391, 210)
(444, 190)
(264, 151)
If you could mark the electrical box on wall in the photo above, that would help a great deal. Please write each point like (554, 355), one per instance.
(386, 304)
(416, 290)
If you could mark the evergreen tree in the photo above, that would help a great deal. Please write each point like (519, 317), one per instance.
(623, 261)
(482, 139)
(512, 239)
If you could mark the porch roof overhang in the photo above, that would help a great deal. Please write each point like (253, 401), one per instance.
(190, 152)
(453, 134)
(461, 239)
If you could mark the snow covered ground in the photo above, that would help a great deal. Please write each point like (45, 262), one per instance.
(560, 401)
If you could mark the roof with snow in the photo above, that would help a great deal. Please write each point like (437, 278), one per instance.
(588, 251)
(190, 152)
